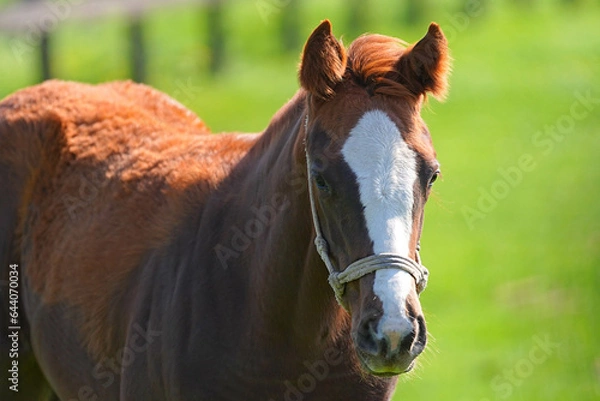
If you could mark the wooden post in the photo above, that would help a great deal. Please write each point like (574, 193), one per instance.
(216, 35)
(46, 71)
(137, 49)
(45, 57)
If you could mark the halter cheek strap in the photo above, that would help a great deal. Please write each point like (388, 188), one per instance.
(364, 266)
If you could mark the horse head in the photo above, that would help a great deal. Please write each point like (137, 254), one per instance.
(371, 165)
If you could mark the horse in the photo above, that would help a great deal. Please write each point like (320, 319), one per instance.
(145, 258)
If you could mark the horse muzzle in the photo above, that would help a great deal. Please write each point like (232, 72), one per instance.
(390, 349)
(389, 330)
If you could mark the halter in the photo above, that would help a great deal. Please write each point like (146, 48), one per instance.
(363, 266)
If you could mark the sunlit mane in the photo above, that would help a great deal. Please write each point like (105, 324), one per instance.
(372, 61)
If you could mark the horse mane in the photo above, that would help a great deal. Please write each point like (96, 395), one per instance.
(373, 63)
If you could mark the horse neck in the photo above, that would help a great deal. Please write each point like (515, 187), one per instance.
(288, 281)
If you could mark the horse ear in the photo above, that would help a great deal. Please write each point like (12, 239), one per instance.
(425, 66)
(323, 62)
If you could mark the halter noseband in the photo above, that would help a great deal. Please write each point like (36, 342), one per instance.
(363, 266)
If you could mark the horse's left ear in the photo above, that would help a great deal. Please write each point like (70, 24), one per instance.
(425, 66)
(323, 62)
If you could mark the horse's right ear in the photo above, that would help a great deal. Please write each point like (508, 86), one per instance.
(323, 62)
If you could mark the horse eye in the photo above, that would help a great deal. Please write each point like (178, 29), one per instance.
(321, 183)
(434, 177)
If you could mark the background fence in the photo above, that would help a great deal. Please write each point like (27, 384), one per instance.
(35, 20)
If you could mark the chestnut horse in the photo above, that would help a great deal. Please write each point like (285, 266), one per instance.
(156, 261)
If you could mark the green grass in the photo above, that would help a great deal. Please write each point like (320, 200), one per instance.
(527, 268)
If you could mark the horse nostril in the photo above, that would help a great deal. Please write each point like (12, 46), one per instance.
(421, 339)
(408, 340)
(366, 337)
(415, 340)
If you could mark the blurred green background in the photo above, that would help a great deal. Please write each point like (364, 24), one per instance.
(512, 233)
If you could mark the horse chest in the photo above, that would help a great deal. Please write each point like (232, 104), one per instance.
(217, 372)
(312, 384)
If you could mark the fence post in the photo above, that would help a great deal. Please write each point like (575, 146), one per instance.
(216, 35)
(45, 57)
(137, 49)
(46, 71)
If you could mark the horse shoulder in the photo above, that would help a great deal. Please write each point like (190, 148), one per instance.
(108, 183)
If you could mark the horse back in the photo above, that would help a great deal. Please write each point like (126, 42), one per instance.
(94, 177)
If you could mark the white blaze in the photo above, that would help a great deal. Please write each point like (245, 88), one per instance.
(385, 168)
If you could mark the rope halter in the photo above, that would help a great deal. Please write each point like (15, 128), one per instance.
(363, 266)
